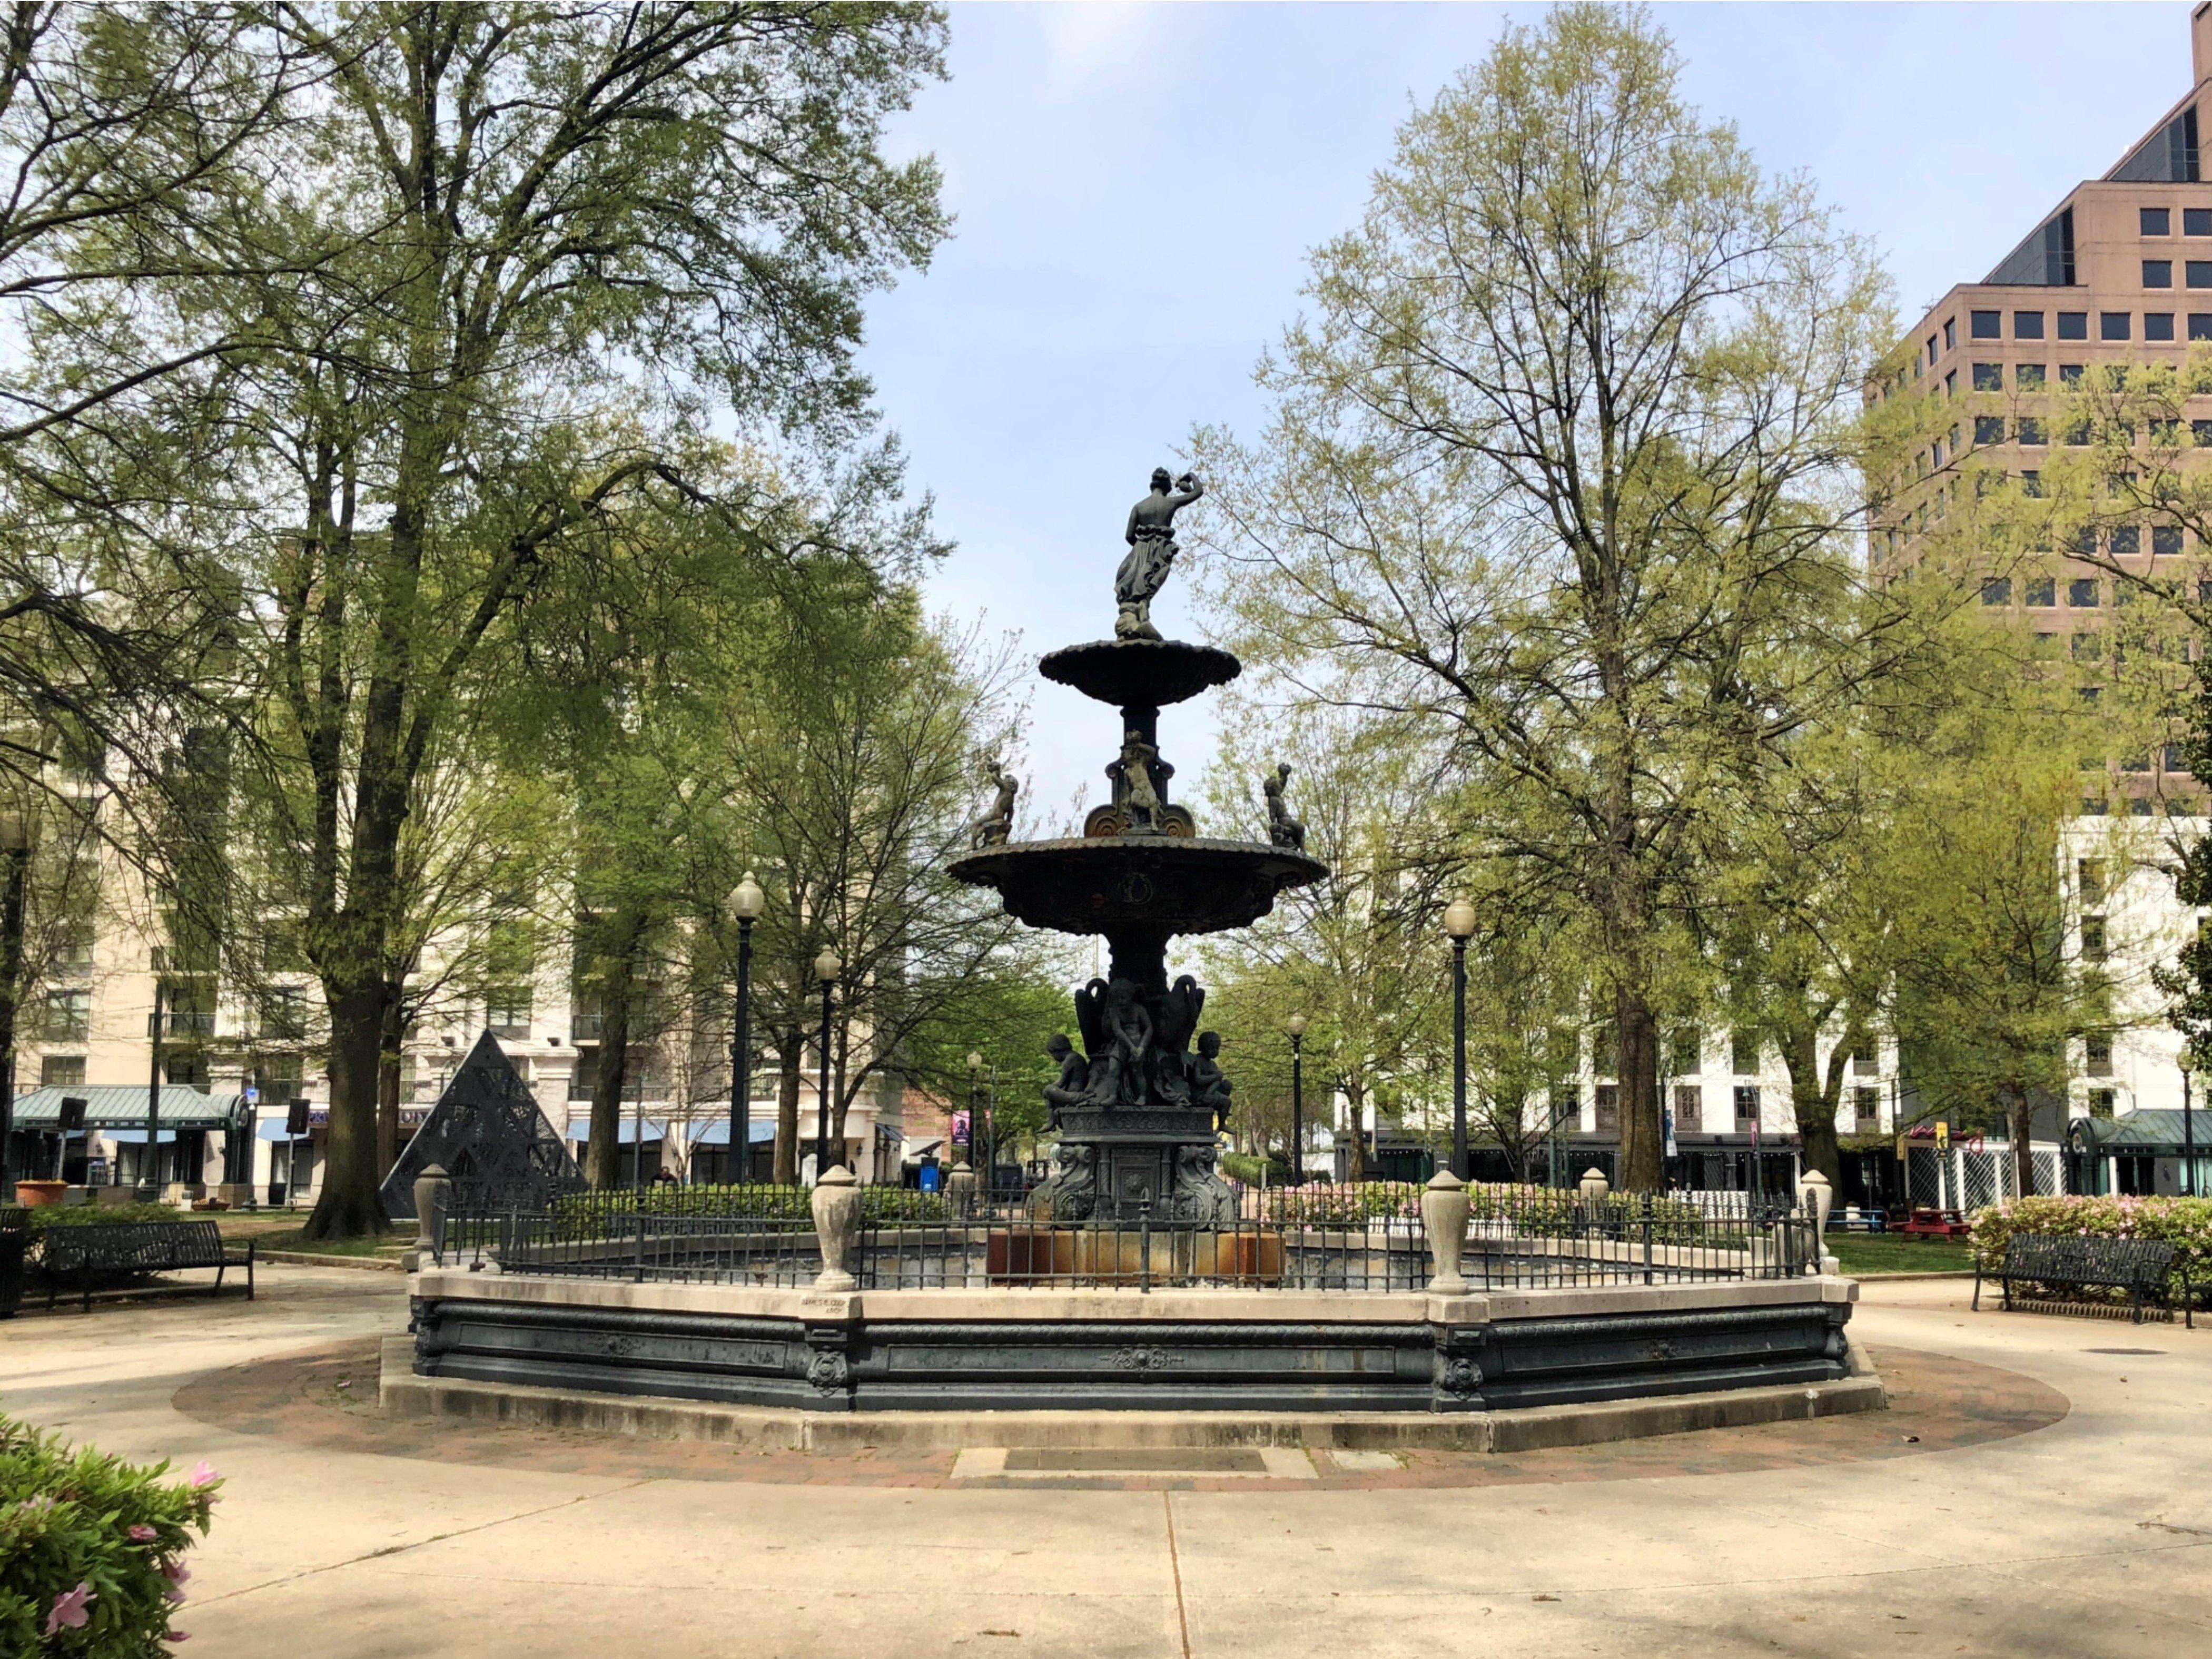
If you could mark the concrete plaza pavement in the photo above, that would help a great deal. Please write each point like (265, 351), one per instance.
(2092, 1536)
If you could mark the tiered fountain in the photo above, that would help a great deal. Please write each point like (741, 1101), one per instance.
(1138, 1109)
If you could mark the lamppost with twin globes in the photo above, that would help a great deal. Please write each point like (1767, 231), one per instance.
(826, 967)
(1296, 1026)
(1459, 922)
(975, 1109)
(746, 902)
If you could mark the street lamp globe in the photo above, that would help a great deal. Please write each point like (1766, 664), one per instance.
(746, 901)
(826, 967)
(974, 1061)
(1295, 1025)
(1459, 919)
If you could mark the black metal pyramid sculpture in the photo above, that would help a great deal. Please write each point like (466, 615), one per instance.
(487, 1132)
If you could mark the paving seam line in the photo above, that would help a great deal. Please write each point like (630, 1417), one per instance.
(1174, 1567)
(437, 1538)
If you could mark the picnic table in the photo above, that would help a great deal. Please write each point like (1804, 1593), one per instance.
(1928, 1222)
(1856, 1220)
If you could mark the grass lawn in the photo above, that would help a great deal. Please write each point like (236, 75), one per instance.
(1870, 1254)
(280, 1232)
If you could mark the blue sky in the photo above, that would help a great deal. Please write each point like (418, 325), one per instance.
(1136, 188)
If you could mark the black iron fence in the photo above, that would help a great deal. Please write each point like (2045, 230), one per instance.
(1369, 1238)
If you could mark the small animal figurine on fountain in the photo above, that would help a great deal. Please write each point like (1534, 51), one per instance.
(1282, 829)
(997, 823)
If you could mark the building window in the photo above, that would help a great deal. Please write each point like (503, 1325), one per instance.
(507, 1010)
(1866, 1110)
(187, 1071)
(1950, 332)
(2095, 806)
(1951, 384)
(1989, 377)
(2197, 221)
(2090, 880)
(2043, 591)
(2073, 324)
(2081, 592)
(2139, 807)
(2099, 1056)
(1747, 1104)
(2127, 538)
(1689, 1107)
(1989, 428)
(68, 1017)
(2087, 648)
(2197, 273)
(2165, 540)
(1931, 351)
(284, 1013)
(2070, 373)
(2031, 432)
(1743, 1054)
(2154, 221)
(1866, 1062)
(1608, 1109)
(2092, 937)
(2158, 325)
(2027, 325)
(2028, 377)
(2174, 760)
(2115, 325)
(1684, 1052)
(1986, 324)
(60, 1070)
(2156, 273)
(1997, 590)
(2031, 481)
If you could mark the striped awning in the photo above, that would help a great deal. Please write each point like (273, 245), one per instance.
(117, 1105)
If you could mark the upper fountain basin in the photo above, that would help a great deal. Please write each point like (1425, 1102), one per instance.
(1176, 884)
(1140, 673)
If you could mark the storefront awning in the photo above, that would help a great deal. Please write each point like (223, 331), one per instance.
(579, 1129)
(758, 1133)
(120, 1105)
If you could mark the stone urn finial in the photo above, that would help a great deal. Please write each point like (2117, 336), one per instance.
(1595, 1187)
(433, 1181)
(836, 1205)
(1444, 1215)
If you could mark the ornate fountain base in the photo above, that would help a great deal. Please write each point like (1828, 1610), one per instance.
(1121, 1165)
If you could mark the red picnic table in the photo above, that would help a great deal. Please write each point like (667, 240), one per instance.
(1928, 1222)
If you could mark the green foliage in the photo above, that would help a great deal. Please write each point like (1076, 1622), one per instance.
(46, 1216)
(772, 1203)
(81, 1521)
(2184, 1223)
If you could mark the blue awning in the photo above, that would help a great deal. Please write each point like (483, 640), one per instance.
(580, 1128)
(136, 1137)
(759, 1132)
(272, 1128)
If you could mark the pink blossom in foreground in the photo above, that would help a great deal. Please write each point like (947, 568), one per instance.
(143, 1534)
(204, 1474)
(68, 1611)
(175, 1571)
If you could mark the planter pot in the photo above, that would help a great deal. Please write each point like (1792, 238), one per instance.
(38, 1195)
(836, 1205)
(1443, 1214)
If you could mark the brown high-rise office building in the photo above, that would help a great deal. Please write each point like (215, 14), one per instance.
(2119, 271)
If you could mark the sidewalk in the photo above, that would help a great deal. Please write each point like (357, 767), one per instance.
(2092, 1536)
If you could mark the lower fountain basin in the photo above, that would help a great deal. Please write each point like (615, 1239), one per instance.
(1168, 884)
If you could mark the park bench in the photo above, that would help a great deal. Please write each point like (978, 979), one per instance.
(1854, 1220)
(2137, 1266)
(122, 1248)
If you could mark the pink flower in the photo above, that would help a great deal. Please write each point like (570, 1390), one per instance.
(68, 1611)
(174, 1595)
(179, 1636)
(142, 1533)
(204, 1474)
(175, 1571)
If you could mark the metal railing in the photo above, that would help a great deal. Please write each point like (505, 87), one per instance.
(1366, 1238)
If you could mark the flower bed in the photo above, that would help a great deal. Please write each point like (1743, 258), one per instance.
(2184, 1223)
(92, 1549)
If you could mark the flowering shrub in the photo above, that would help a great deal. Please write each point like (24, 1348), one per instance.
(2184, 1223)
(92, 1549)
(758, 1202)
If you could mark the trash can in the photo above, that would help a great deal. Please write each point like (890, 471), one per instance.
(14, 1243)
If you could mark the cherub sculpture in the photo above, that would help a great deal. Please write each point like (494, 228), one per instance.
(1151, 536)
(1282, 829)
(998, 822)
(1073, 1087)
(1128, 1029)
(1210, 1088)
(1139, 801)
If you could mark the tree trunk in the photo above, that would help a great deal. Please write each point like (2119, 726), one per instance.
(603, 1157)
(1812, 1101)
(786, 1111)
(2019, 1126)
(1355, 1115)
(1642, 1133)
(349, 1205)
(387, 1086)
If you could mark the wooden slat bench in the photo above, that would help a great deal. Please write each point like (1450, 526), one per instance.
(119, 1248)
(2137, 1266)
